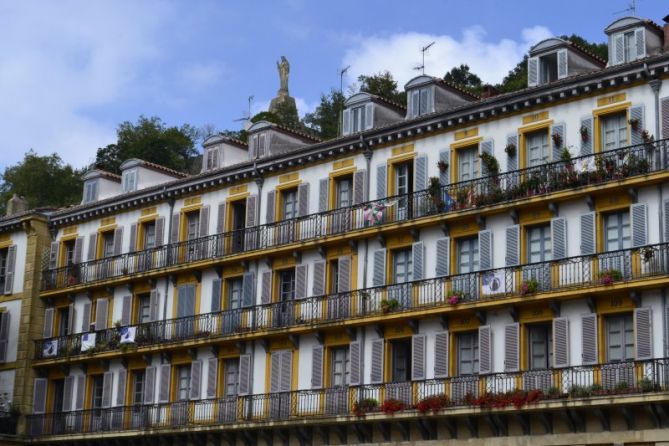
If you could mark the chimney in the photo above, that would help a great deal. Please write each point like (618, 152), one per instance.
(489, 91)
(666, 33)
(16, 205)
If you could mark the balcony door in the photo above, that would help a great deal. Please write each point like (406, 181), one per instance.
(539, 252)
(617, 242)
(230, 389)
(340, 369)
(404, 189)
(185, 323)
(400, 370)
(537, 148)
(614, 131)
(238, 225)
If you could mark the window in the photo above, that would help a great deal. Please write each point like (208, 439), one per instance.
(344, 192)
(468, 353)
(537, 148)
(617, 231)
(144, 308)
(90, 191)
(539, 244)
(468, 255)
(234, 293)
(138, 387)
(129, 180)
(96, 392)
(230, 377)
(402, 266)
(289, 204)
(357, 119)
(260, 143)
(340, 367)
(619, 338)
(421, 101)
(192, 225)
(107, 244)
(183, 382)
(63, 321)
(68, 248)
(186, 301)
(287, 284)
(403, 178)
(548, 70)
(629, 46)
(212, 159)
(614, 131)
(149, 234)
(468, 163)
(540, 338)
(334, 276)
(401, 360)
(58, 395)
(3, 267)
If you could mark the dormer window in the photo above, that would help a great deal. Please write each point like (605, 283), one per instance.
(421, 101)
(211, 159)
(547, 68)
(259, 148)
(129, 180)
(90, 191)
(633, 38)
(359, 118)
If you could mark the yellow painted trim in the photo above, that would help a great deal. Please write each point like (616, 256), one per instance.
(287, 178)
(229, 212)
(239, 189)
(70, 230)
(149, 211)
(140, 239)
(522, 131)
(186, 281)
(278, 198)
(343, 164)
(183, 220)
(279, 265)
(608, 100)
(192, 201)
(332, 184)
(469, 143)
(401, 150)
(99, 249)
(597, 115)
(5, 237)
(527, 220)
(535, 117)
(392, 163)
(602, 209)
(278, 345)
(466, 133)
(108, 221)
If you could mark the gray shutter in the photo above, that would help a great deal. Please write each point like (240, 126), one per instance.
(269, 216)
(559, 237)
(588, 233)
(512, 161)
(318, 288)
(643, 333)
(154, 305)
(418, 254)
(369, 116)
(303, 200)
(132, 245)
(323, 188)
(244, 375)
(558, 129)
(248, 289)
(101, 308)
(81, 392)
(359, 187)
(532, 71)
(562, 67)
(126, 310)
(70, 319)
(92, 246)
(512, 257)
(560, 342)
(381, 191)
(174, 233)
(78, 249)
(195, 379)
(665, 117)
(220, 218)
(636, 112)
(5, 320)
(164, 385)
(443, 256)
(47, 331)
(344, 274)
(68, 391)
(266, 290)
(618, 51)
(640, 38)
(589, 339)
(204, 221)
(118, 241)
(10, 265)
(39, 395)
(376, 373)
(485, 350)
(441, 354)
(86, 318)
(216, 295)
(379, 271)
(665, 206)
(286, 370)
(418, 344)
(212, 369)
(355, 355)
(486, 147)
(53, 255)
(120, 391)
(149, 384)
(300, 281)
(346, 127)
(485, 249)
(160, 229)
(586, 146)
(107, 382)
(317, 367)
(420, 177)
(639, 224)
(444, 175)
(251, 211)
(511, 347)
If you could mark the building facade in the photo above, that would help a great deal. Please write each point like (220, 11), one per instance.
(462, 269)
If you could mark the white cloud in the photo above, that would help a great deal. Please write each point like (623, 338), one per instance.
(399, 53)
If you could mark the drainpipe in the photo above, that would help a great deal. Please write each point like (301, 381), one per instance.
(367, 152)
(167, 282)
(259, 184)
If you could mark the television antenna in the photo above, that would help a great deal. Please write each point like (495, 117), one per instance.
(631, 7)
(423, 50)
(247, 117)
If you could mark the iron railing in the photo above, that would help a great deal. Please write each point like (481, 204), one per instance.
(539, 180)
(441, 292)
(494, 390)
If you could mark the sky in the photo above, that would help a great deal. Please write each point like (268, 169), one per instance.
(71, 71)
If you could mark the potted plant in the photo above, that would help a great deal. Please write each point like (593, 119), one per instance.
(553, 392)
(528, 286)
(557, 139)
(392, 405)
(455, 297)
(490, 163)
(442, 165)
(565, 155)
(647, 253)
(364, 406)
(510, 150)
(388, 305)
(646, 385)
(584, 133)
(432, 403)
(434, 190)
(634, 123)
(607, 277)
(647, 137)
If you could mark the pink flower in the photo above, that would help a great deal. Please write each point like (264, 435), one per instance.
(454, 299)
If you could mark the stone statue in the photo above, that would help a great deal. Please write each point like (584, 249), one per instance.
(283, 105)
(284, 69)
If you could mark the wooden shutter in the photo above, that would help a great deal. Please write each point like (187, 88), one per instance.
(588, 233)
(275, 372)
(485, 249)
(68, 391)
(639, 224)
(589, 339)
(5, 320)
(174, 233)
(586, 143)
(10, 266)
(317, 367)
(216, 295)
(532, 71)
(154, 305)
(318, 288)
(195, 379)
(418, 344)
(160, 229)
(86, 318)
(251, 211)
(266, 290)
(220, 218)
(640, 38)
(118, 241)
(355, 355)
(204, 221)
(107, 383)
(369, 116)
(559, 237)
(643, 333)
(379, 271)
(346, 124)
(420, 177)
(244, 375)
(443, 256)
(248, 289)
(53, 255)
(618, 49)
(360, 187)
(665, 117)
(212, 374)
(486, 147)
(81, 392)
(558, 129)
(511, 347)
(344, 274)
(78, 249)
(418, 260)
(562, 64)
(164, 385)
(636, 112)
(444, 175)
(70, 319)
(126, 310)
(120, 388)
(47, 331)
(512, 257)
(376, 372)
(441, 354)
(485, 350)
(149, 384)
(286, 370)
(512, 161)
(303, 200)
(269, 215)
(381, 191)
(300, 281)
(132, 246)
(101, 308)
(560, 342)
(323, 194)
(665, 206)
(92, 246)
(39, 395)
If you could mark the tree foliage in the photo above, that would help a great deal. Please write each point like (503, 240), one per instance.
(325, 119)
(382, 84)
(463, 77)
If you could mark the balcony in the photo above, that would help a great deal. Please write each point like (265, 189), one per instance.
(552, 390)
(479, 194)
(572, 277)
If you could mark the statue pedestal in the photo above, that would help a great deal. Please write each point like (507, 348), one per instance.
(284, 107)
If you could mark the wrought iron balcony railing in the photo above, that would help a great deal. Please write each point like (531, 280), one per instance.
(539, 180)
(414, 398)
(600, 270)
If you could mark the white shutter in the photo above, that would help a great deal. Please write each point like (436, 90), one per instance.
(355, 363)
(369, 116)
(154, 305)
(244, 375)
(300, 281)
(559, 237)
(120, 388)
(511, 347)
(101, 308)
(443, 256)
(589, 339)
(317, 367)
(512, 257)
(68, 388)
(588, 233)
(39, 395)
(248, 289)
(379, 271)
(269, 215)
(318, 288)
(195, 379)
(78, 249)
(204, 221)
(86, 318)
(359, 187)
(640, 42)
(212, 374)
(266, 290)
(639, 224)
(47, 331)
(485, 350)
(532, 71)
(586, 143)
(418, 344)
(346, 122)
(118, 241)
(418, 254)
(420, 177)
(107, 383)
(5, 320)
(164, 385)
(303, 200)
(149, 384)
(562, 64)
(126, 310)
(643, 333)
(560, 342)
(323, 194)
(618, 49)
(444, 175)
(485, 249)
(53, 255)
(381, 191)
(441, 354)
(132, 244)
(344, 274)
(376, 373)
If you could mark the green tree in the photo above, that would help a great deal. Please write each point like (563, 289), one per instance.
(325, 119)
(44, 181)
(463, 77)
(151, 140)
(384, 85)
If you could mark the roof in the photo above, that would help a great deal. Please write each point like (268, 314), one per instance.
(424, 79)
(214, 139)
(364, 96)
(95, 173)
(628, 21)
(132, 162)
(555, 42)
(307, 137)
